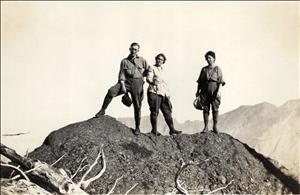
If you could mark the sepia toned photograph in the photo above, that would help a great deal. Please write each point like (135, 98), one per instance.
(150, 97)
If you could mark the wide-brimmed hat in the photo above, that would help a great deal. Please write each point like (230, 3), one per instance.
(198, 103)
(126, 100)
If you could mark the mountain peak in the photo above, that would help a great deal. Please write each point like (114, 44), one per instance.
(153, 163)
(295, 103)
(265, 104)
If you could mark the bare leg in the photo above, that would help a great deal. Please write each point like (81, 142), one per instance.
(205, 119)
(215, 120)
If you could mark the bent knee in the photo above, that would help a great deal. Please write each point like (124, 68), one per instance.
(112, 93)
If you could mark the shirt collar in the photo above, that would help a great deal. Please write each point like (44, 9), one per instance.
(130, 57)
(159, 67)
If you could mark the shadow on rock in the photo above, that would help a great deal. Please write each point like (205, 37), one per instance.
(288, 181)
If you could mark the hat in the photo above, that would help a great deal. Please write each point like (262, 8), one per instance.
(198, 103)
(126, 100)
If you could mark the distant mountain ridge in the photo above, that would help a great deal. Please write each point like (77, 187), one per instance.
(273, 131)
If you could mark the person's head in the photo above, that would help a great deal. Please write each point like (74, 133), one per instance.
(160, 59)
(134, 48)
(210, 57)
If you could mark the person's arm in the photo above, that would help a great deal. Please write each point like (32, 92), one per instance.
(146, 68)
(200, 83)
(220, 77)
(198, 90)
(122, 77)
(152, 78)
(150, 75)
(221, 82)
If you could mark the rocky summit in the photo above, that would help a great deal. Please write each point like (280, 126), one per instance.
(200, 163)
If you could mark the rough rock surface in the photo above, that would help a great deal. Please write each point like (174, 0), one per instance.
(271, 130)
(152, 162)
(21, 187)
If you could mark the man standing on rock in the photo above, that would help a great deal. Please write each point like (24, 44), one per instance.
(131, 79)
(209, 84)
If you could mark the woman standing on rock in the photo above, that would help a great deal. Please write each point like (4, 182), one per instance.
(159, 96)
(209, 84)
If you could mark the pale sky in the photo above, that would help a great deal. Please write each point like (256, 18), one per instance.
(58, 59)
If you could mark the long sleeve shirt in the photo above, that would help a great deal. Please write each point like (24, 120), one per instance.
(156, 73)
(132, 67)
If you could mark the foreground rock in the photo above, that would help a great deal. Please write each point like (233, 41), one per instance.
(151, 163)
(39, 177)
(21, 187)
(271, 130)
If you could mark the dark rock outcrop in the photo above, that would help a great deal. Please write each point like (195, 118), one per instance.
(152, 162)
(271, 130)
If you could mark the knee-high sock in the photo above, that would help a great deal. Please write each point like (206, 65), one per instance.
(205, 118)
(215, 119)
(106, 101)
(169, 121)
(153, 119)
(137, 117)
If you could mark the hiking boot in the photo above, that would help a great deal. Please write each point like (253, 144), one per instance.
(215, 130)
(100, 113)
(204, 130)
(156, 133)
(169, 121)
(137, 131)
(174, 132)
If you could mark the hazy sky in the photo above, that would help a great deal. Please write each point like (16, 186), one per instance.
(58, 59)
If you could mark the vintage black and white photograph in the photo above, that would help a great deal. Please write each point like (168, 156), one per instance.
(150, 97)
